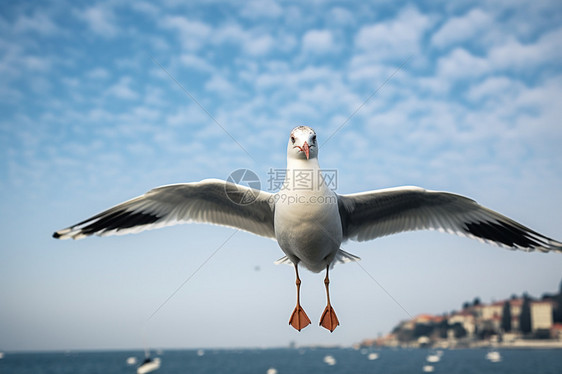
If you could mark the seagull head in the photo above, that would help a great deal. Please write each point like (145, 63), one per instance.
(302, 143)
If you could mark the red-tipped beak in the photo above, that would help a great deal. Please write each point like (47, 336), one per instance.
(306, 149)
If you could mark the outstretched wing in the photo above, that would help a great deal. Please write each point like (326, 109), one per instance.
(209, 201)
(369, 215)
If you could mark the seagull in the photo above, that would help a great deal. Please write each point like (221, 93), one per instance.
(308, 219)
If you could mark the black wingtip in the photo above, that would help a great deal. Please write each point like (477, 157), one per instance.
(507, 234)
(56, 235)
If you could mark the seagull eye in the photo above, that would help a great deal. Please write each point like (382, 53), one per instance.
(293, 139)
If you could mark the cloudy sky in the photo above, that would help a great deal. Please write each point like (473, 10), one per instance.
(101, 101)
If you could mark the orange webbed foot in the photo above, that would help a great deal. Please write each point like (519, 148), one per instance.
(329, 320)
(299, 320)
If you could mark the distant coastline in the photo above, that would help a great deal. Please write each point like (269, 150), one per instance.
(524, 343)
(517, 322)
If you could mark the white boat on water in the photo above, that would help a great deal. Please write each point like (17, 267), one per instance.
(433, 358)
(493, 356)
(373, 356)
(330, 360)
(149, 365)
(428, 369)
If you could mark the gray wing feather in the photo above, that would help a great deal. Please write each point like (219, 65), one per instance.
(205, 202)
(373, 214)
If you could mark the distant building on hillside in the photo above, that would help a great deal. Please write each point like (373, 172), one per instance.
(466, 319)
(515, 305)
(542, 319)
(541, 315)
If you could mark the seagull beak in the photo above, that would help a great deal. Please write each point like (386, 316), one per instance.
(306, 149)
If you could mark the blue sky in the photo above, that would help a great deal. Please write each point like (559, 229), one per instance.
(455, 96)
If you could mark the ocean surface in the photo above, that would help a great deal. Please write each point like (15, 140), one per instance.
(293, 361)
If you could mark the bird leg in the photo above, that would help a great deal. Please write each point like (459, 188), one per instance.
(299, 320)
(329, 320)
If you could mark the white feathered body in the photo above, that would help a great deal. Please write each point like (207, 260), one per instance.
(307, 222)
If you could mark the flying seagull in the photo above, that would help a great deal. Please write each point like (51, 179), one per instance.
(311, 221)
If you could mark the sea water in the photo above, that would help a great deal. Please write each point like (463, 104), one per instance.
(290, 361)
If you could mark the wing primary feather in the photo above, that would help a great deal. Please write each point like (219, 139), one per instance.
(369, 215)
(118, 220)
(207, 201)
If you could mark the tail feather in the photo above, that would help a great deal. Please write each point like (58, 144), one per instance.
(342, 257)
(345, 257)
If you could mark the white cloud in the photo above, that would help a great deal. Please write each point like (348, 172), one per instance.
(298, 109)
(286, 42)
(9, 95)
(494, 88)
(329, 95)
(154, 96)
(128, 63)
(100, 19)
(253, 42)
(219, 84)
(15, 60)
(459, 29)
(140, 115)
(231, 32)
(71, 82)
(261, 8)
(396, 38)
(282, 76)
(318, 41)
(259, 45)
(145, 7)
(157, 42)
(192, 33)
(38, 22)
(293, 16)
(36, 63)
(122, 90)
(362, 69)
(514, 54)
(99, 115)
(98, 73)
(195, 62)
(186, 115)
(432, 85)
(542, 102)
(341, 16)
(461, 64)
(508, 55)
